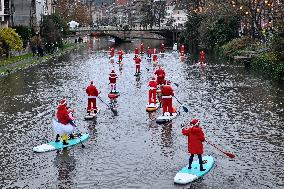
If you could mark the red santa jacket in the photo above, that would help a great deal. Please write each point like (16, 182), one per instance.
(202, 55)
(182, 48)
(195, 139)
(63, 115)
(91, 90)
(162, 47)
(153, 84)
(112, 77)
(167, 90)
(112, 52)
(137, 61)
(120, 53)
(136, 51)
(142, 47)
(149, 51)
(160, 73)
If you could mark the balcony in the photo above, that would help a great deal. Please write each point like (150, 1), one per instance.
(7, 11)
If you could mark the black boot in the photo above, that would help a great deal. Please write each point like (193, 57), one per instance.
(65, 143)
(202, 169)
(71, 136)
(171, 114)
(57, 138)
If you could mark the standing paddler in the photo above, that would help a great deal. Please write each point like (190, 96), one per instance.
(153, 91)
(92, 93)
(112, 81)
(161, 74)
(137, 65)
(120, 54)
(195, 139)
(141, 48)
(155, 56)
(136, 52)
(167, 98)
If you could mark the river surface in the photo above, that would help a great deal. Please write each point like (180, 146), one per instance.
(239, 111)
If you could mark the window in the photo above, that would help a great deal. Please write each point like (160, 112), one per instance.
(0, 5)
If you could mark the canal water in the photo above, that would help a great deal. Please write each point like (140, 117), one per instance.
(239, 111)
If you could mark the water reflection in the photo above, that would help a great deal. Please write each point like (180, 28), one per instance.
(65, 164)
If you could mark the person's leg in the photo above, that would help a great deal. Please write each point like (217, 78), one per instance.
(200, 162)
(190, 161)
(155, 96)
(170, 106)
(89, 105)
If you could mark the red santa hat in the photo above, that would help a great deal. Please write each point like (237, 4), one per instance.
(195, 122)
(63, 102)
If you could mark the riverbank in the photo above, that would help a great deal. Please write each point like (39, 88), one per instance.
(261, 57)
(25, 61)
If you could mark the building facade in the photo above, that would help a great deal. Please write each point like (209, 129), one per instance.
(5, 13)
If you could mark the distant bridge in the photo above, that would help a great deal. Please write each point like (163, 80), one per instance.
(124, 35)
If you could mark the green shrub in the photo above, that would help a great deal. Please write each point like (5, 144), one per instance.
(269, 64)
(234, 46)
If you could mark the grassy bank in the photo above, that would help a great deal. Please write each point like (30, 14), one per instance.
(263, 58)
(24, 61)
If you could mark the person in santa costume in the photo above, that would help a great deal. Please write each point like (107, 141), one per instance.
(64, 125)
(112, 52)
(162, 48)
(137, 64)
(202, 56)
(136, 52)
(112, 81)
(161, 74)
(120, 54)
(155, 56)
(195, 139)
(167, 98)
(92, 93)
(149, 52)
(182, 50)
(153, 91)
(141, 48)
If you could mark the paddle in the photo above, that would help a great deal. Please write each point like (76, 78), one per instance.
(79, 135)
(230, 155)
(107, 105)
(185, 109)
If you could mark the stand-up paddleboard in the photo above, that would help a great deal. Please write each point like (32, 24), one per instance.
(137, 74)
(152, 107)
(92, 114)
(201, 64)
(185, 175)
(162, 54)
(50, 146)
(113, 95)
(149, 59)
(166, 118)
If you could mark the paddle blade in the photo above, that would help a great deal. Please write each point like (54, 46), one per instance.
(176, 84)
(185, 109)
(83, 146)
(230, 155)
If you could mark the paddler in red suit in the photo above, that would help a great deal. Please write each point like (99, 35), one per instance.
(182, 50)
(195, 139)
(137, 64)
(92, 93)
(120, 53)
(136, 52)
(142, 48)
(153, 91)
(162, 48)
(112, 81)
(202, 57)
(63, 117)
(160, 75)
(112, 52)
(167, 98)
(155, 56)
(149, 52)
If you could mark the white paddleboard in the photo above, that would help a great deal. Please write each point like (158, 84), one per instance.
(185, 175)
(152, 107)
(92, 115)
(165, 118)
